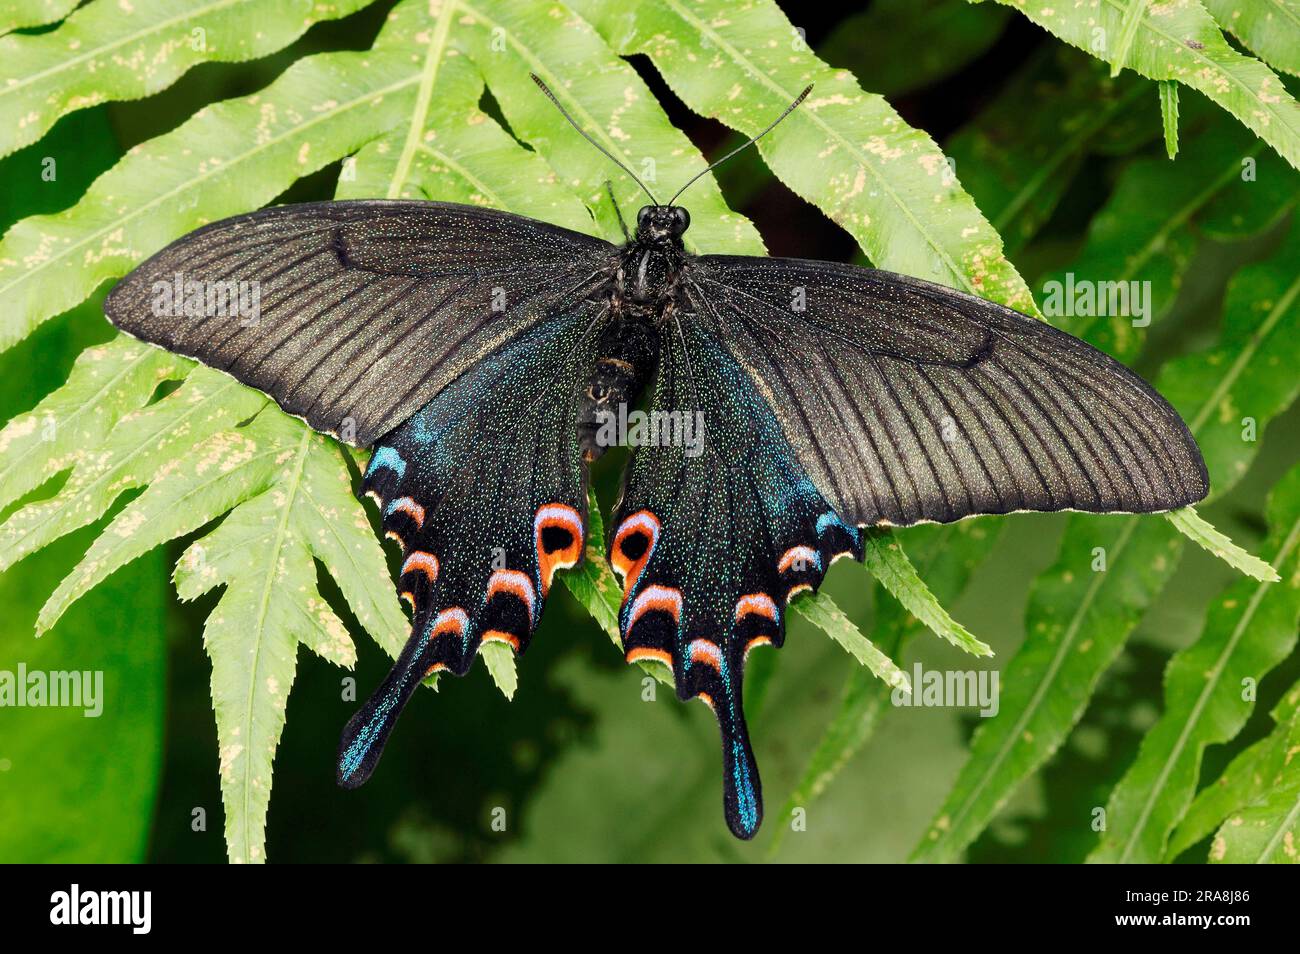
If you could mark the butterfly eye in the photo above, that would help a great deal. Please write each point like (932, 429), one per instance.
(682, 217)
(643, 216)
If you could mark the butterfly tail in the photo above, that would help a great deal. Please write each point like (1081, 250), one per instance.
(367, 732)
(716, 680)
(742, 791)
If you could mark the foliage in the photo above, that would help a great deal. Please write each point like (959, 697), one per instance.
(145, 449)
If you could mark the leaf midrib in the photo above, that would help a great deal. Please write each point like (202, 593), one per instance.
(1288, 821)
(281, 531)
(420, 114)
(1134, 263)
(1068, 148)
(465, 174)
(1257, 337)
(1158, 240)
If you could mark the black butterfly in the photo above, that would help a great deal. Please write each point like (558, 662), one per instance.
(480, 353)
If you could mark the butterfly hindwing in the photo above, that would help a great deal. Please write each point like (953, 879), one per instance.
(485, 490)
(713, 535)
(353, 315)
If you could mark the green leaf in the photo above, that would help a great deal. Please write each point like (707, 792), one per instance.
(264, 553)
(446, 148)
(846, 151)
(886, 561)
(1179, 41)
(1132, 16)
(1194, 527)
(500, 662)
(1076, 624)
(132, 49)
(1018, 157)
(1270, 28)
(1169, 115)
(141, 445)
(1265, 829)
(207, 481)
(1229, 393)
(107, 382)
(1247, 779)
(1209, 694)
(592, 583)
(1079, 616)
(508, 40)
(824, 614)
(18, 14)
(227, 158)
(1149, 229)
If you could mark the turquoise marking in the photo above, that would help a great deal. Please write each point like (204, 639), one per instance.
(747, 802)
(829, 519)
(356, 751)
(387, 457)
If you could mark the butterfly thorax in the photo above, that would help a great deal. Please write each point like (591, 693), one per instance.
(649, 268)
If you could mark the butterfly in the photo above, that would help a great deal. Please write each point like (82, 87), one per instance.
(481, 354)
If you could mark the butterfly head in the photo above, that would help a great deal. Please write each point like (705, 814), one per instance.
(662, 223)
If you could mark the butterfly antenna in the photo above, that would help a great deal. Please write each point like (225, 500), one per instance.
(788, 110)
(583, 133)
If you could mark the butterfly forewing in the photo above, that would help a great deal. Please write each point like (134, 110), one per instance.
(907, 401)
(353, 315)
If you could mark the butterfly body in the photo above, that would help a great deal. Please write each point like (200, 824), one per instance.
(642, 297)
(793, 405)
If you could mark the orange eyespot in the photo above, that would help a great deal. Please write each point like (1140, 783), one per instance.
(558, 534)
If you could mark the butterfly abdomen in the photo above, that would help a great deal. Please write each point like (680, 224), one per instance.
(629, 350)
